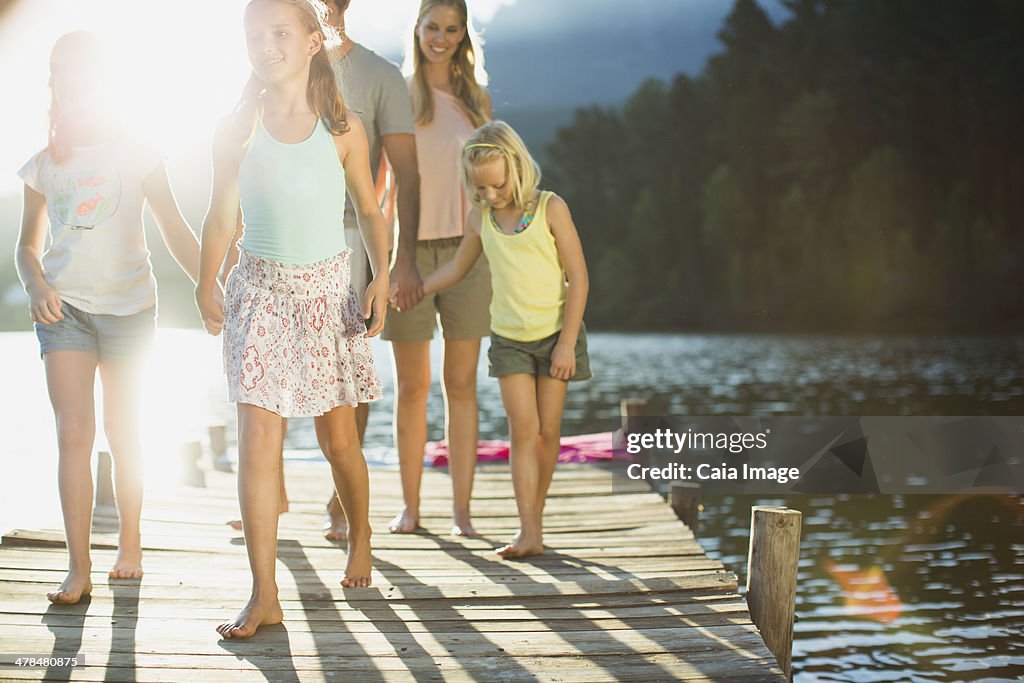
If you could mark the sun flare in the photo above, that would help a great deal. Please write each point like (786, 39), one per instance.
(179, 66)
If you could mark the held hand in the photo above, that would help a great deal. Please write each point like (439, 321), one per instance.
(375, 307)
(563, 361)
(44, 304)
(406, 278)
(393, 295)
(211, 309)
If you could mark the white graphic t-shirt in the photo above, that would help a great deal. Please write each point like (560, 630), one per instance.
(96, 257)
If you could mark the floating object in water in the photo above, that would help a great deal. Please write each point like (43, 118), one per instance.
(867, 592)
(581, 448)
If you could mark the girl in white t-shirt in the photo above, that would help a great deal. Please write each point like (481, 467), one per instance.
(92, 292)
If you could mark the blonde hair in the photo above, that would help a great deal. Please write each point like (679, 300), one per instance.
(322, 91)
(466, 71)
(81, 48)
(498, 140)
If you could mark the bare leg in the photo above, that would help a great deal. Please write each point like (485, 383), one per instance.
(259, 473)
(282, 499)
(550, 404)
(336, 526)
(352, 482)
(462, 426)
(70, 376)
(282, 492)
(412, 376)
(121, 388)
(519, 396)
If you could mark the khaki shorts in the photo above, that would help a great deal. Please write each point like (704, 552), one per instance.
(463, 310)
(510, 357)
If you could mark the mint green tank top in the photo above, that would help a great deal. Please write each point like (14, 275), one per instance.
(292, 197)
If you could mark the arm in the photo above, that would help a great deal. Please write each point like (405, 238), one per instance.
(231, 260)
(44, 302)
(354, 154)
(466, 255)
(219, 226)
(570, 252)
(178, 237)
(401, 151)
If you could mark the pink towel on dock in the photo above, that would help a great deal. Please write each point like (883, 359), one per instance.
(582, 448)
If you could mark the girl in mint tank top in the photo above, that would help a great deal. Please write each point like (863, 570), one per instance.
(539, 282)
(295, 336)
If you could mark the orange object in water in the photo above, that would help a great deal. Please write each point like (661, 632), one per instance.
(867, 591)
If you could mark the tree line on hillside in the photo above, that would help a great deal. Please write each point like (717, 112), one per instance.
(858, 167)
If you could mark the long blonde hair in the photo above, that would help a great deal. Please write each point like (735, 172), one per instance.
(498, 140)
(466, 70)
(322, 92)
(82, 48)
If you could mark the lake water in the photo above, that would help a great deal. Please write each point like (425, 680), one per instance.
(892, 588)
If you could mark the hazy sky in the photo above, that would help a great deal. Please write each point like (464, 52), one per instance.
(191, 60)
(187, 64)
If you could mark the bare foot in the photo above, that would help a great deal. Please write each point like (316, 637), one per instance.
(236, 524)
(128, 565)
(336, 526)
(463, 527)
(75, 586)
(360, 562)
(255, 614)
(405, 522)
(522, 546)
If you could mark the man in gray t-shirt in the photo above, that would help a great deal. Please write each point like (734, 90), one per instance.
(374, 89)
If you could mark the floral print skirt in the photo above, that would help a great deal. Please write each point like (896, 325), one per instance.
(294, 337)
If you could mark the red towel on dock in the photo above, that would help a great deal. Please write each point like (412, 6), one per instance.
(582, 448)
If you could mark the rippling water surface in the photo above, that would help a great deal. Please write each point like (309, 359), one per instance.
(896, 588)
(757, 375)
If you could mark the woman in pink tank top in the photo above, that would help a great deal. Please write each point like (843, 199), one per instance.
(449, 102)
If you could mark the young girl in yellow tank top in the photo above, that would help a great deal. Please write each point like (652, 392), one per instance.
(539, 282)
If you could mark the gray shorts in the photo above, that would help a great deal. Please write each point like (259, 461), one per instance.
(110, 337)
(463, 309)
(510, 357)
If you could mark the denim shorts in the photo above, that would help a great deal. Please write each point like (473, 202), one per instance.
(110, 337)
(511, 357)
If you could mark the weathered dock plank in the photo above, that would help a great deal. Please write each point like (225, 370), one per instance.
(624, 593)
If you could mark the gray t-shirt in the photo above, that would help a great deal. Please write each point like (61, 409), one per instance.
(374, 89)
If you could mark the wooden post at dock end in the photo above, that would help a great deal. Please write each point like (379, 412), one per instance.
(771, 578)
(632, 407)
(685, 501)
(104, 483)
(630, 412)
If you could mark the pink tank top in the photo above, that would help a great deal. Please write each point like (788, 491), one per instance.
(443, 201)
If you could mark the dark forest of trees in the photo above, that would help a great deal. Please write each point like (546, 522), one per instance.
(858, 167)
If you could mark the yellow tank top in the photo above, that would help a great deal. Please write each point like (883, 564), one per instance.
(527, 278)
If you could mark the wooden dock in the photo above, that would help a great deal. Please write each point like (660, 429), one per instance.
(623, 593)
